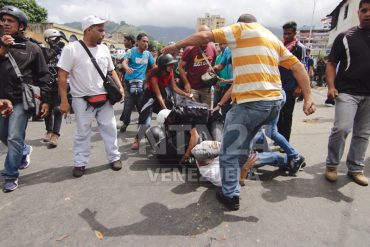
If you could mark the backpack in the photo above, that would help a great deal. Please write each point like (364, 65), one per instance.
(188, 112)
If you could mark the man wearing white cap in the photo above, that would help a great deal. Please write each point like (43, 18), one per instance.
(87, 86)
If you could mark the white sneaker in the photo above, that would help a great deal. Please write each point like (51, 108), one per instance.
(26, 160)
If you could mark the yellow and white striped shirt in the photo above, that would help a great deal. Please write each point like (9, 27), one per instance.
(256, 57)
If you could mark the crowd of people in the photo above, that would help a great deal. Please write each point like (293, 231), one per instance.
(252, 81)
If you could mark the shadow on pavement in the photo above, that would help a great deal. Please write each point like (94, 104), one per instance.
(317, 186)
(55, 175)
(194, 219)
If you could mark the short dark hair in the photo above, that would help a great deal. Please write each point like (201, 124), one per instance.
(140, 36)
(247, 18)
(362, 2)
(290, 25)
(130, 38)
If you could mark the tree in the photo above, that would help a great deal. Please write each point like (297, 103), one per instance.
(34, 12)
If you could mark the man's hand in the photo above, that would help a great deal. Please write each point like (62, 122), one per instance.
(6, 107)
(7, 40)
(44, 110)
(130, 70)
(187, 88)
(65, 108)
(217, 108)
(297, 92)
(309, 107)
(332, 93)
(184, 160)
(170, 49)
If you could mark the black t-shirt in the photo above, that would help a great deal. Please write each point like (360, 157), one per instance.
(351, 49)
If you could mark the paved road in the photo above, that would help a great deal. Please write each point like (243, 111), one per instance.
(148, 204)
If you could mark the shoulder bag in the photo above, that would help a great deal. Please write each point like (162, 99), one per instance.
(114, 95)
(31, 95)
(209, 78)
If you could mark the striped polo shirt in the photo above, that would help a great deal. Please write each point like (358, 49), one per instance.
(256, 56)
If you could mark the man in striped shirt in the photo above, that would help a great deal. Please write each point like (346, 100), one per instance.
(256, 91)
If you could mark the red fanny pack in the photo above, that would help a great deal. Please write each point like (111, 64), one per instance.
(96, 101)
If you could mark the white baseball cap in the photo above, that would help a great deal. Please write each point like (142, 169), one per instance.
(91, 20)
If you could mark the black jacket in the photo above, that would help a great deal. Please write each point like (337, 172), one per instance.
(32, 65)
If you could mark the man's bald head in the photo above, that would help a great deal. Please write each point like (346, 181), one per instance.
(204, 28)
(247, 18)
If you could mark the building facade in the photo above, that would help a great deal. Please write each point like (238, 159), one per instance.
(315, 39)
(36, 31)
(212, 21)
(343, 17)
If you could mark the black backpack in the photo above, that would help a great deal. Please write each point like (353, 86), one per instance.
(188, 112)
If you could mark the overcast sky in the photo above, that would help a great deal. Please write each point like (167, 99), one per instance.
(169, 13)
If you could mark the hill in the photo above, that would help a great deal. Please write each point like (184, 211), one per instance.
(162, 34)
(167, 34)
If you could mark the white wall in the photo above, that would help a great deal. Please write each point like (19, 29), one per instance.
(344, 24)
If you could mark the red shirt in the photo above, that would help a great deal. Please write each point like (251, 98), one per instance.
(196, 65)
(162, 81)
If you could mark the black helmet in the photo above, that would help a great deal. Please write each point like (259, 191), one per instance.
(166, 59)
(154, 135)
(15, 12)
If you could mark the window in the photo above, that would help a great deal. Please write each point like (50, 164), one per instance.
(346, 12)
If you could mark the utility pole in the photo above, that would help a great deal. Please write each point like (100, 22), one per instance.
(313, 15)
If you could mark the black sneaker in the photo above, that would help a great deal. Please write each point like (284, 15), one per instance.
(296, 164)
(10, 185)
(230, 203)
(330, 102)
(123, 128)
(78, 172)
(116, 165)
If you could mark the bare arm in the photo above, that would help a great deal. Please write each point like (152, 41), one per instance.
(177, 90)
(194, 137)
(224, 99)
(62, 85)
(196, 39)
(300, 74)
(183, 76)
(219, 67)
(157, 93)
(330, 75)
(126, 67)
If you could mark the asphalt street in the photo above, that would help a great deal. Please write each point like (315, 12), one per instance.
(150, 204)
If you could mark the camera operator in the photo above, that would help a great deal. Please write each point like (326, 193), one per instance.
(32, 66)
(53, 121)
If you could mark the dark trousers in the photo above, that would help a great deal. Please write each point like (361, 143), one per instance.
(286, 115)
(53, 120)
(131, 100)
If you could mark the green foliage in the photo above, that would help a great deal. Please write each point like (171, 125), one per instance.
(34, 12)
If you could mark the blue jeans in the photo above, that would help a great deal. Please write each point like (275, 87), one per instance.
(241, 125)
(12, 134)
(279, 139)
(271, 158)
(131, 100)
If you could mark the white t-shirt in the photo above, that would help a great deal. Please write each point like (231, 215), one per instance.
(84, 78)
(211, 171)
